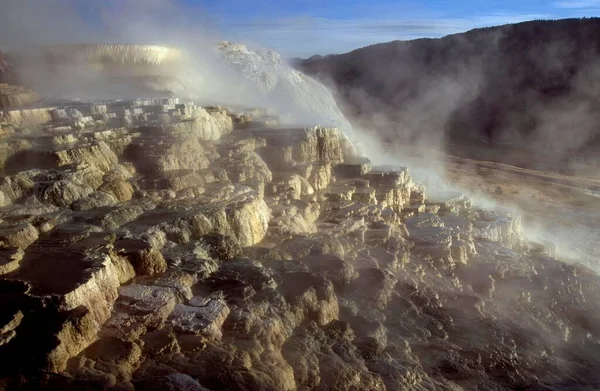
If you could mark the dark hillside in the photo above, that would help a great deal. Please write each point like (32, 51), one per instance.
(533, 85)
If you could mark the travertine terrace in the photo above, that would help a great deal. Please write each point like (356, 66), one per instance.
(95, 70)
(12, 94)
(153, 244)
(102, 57)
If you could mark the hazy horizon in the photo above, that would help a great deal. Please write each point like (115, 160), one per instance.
(304, 28)
(293, 28)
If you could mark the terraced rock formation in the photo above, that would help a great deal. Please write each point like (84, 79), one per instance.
(152, 244)
(225, 72)
(16, 96)
(111, 70)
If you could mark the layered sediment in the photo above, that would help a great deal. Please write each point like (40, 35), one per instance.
(163, 245)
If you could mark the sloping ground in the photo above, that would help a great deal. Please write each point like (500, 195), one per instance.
(227, 72)
(164, 246)
(563, 209)
(560, 208)
(296, 98)
(530, 85)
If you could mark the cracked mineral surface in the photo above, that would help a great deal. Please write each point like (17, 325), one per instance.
(153, 244)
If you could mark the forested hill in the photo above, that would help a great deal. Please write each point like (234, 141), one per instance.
(533, 84)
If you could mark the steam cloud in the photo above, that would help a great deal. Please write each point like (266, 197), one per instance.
(522, 95)
(420, 116)
(201, 73)
(28, 28)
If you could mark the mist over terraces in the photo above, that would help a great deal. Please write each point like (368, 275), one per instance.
(530, 87)
(12, 93)
(157, 244)
(95, 71)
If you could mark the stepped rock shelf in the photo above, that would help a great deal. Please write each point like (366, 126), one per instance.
(12, 94)
(152, 244)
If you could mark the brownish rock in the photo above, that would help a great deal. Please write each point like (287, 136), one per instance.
(145, 259)
(10, 259)
(19, 236)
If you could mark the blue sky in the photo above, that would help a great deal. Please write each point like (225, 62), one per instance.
(306, 27)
